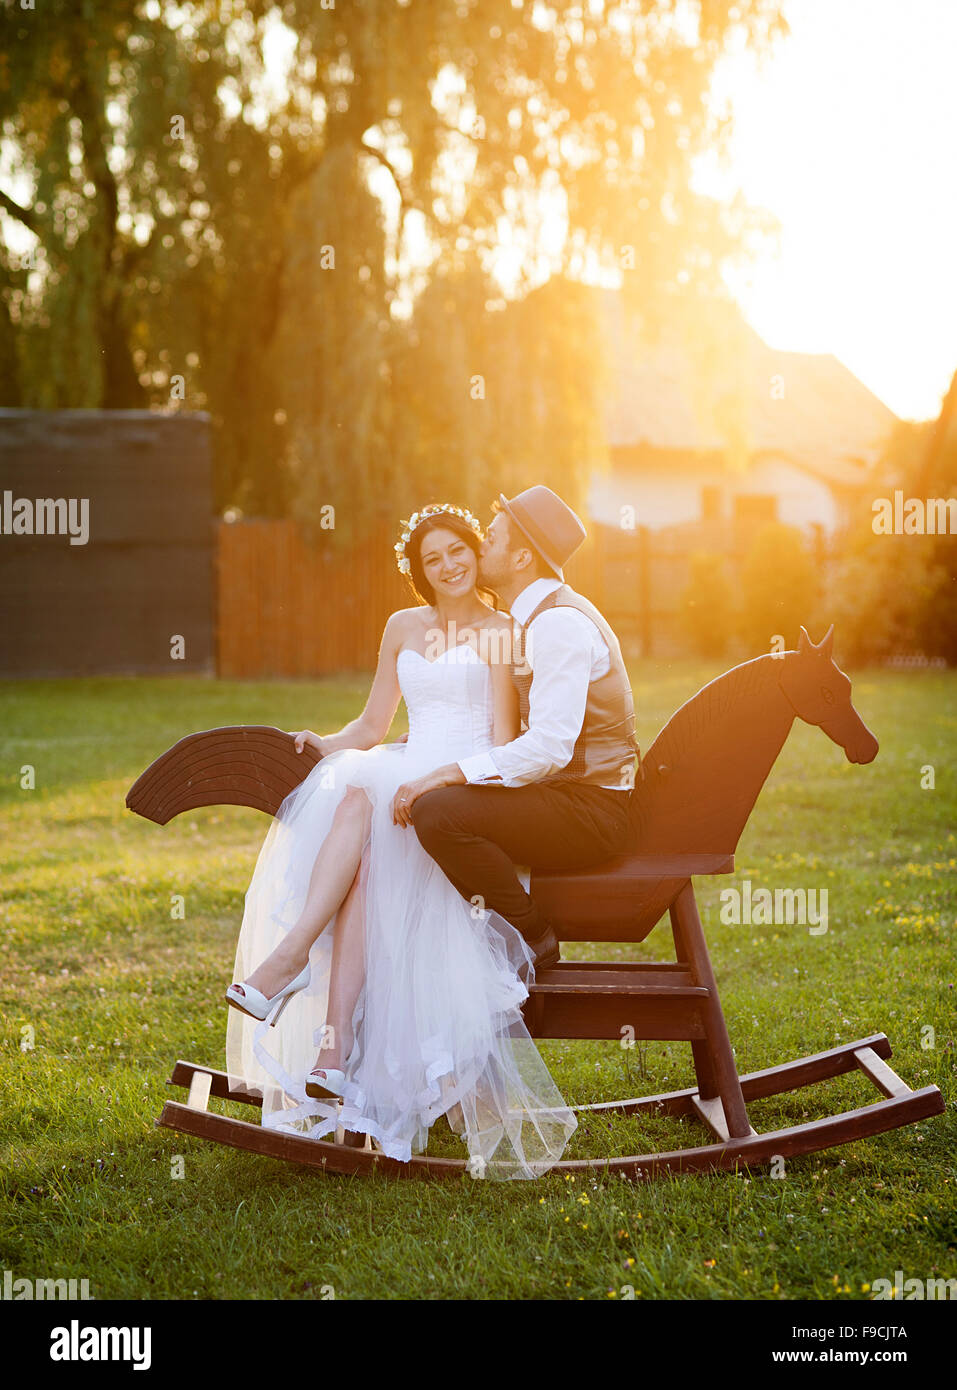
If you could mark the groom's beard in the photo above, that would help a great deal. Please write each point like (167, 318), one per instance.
(485, 581)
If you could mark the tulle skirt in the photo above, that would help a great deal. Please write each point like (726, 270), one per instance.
(437, 1024)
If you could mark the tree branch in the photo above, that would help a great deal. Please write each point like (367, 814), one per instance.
(408, 204)
(25, 216)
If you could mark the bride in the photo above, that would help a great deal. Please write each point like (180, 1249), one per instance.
(353, 934)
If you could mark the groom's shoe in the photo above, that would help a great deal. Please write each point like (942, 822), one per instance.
(546, 948)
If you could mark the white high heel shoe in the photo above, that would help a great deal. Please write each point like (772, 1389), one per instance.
(324, 1083)
(248, 1000)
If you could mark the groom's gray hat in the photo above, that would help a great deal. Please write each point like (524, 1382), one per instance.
(549, 523)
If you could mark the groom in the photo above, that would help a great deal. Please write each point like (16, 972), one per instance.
(556, 797)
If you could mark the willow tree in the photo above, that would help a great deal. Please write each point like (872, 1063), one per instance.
(177, 185)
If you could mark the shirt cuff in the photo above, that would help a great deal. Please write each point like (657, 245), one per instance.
(481, 767)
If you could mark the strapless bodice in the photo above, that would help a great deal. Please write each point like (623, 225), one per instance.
(449, 702)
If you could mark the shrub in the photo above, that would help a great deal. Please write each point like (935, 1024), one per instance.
(780, 588)
(706, 610)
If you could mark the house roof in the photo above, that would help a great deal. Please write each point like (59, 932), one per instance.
(723, 388)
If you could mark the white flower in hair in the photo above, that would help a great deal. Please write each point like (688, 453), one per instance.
(434, 509)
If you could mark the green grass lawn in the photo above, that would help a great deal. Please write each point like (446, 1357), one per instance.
(110, 989)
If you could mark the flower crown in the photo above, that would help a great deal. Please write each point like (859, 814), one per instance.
(417, 518)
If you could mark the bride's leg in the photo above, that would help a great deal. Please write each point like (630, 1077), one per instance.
(347, 973)
(332, 877)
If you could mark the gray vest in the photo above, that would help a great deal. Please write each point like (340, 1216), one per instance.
(606, 748)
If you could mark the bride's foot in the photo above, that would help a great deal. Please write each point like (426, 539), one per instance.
(325, 1083)
(276, 971)
(253, 1002)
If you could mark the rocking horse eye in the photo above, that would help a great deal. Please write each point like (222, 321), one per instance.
(828, 696)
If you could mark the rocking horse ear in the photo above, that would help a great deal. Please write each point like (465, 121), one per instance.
(827, 642)
(804, 642)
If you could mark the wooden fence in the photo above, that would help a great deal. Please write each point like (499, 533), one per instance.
(288, 608)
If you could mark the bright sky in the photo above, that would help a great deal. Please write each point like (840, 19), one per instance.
(847, 135)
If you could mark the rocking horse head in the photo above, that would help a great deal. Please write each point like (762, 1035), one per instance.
(820, 693)
(700, 778)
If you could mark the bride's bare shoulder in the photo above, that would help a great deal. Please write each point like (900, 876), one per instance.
(497, 622)
(403, 619)
(495, 638)
(404, 628)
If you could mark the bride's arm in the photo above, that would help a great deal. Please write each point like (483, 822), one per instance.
(372, 725)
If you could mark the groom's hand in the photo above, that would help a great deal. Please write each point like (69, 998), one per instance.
(409, 793)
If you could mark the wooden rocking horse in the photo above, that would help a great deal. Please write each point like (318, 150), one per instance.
(696, 787)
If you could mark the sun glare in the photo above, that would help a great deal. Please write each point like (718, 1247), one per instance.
(846, 136)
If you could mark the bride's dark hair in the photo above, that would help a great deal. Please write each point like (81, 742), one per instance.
(445, 521)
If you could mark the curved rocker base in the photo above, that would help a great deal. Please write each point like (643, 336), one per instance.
(901, 1106)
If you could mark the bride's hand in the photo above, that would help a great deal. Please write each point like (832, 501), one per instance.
(409, 793)
(405, 798)
(305, 736)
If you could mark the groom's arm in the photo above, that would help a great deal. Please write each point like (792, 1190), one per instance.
(562, 651)
(562, 655)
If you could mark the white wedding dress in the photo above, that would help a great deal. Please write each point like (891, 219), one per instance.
(438, 1028)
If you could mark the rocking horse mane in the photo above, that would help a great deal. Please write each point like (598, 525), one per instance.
(701, 776)
(712, 703)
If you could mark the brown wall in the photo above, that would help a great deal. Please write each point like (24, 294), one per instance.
(146, 572)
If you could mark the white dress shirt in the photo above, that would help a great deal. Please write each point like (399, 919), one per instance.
(565, 650)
